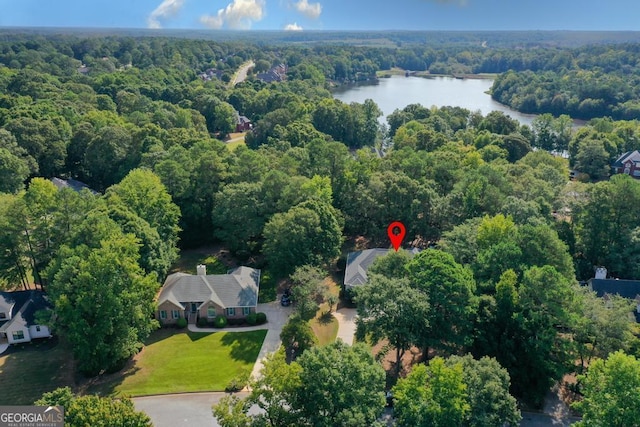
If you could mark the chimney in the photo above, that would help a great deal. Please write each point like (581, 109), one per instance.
(201, 269)
(601, 273)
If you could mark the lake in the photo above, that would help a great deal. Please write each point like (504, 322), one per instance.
(396, 92)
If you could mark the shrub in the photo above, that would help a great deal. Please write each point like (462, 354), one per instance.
(261, 318)
(202, 322)
(219, 322)
(235, 321)
(237, 383)
(252, 319)
(181, 323)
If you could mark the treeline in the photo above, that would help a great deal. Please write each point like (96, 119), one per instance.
(584, 83)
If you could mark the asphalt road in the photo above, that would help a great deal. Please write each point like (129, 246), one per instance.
(176, 410)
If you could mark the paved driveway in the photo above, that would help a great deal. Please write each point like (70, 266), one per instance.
(194, 409)
(346, 324)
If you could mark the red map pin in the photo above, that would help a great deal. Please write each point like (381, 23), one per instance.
(396, 232)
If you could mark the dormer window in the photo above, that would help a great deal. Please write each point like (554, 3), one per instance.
(3, 315)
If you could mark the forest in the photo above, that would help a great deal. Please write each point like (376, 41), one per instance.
(510, 234)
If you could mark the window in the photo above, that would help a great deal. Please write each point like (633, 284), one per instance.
(246, 311)
(211, 312)
(37, 328)
(175, 314)
(18, 335)
(231, 311)
(3, 316)
(163, 314)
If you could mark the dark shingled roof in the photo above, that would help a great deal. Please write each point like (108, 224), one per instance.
(625, 288)
(27, 302)
(72, 184)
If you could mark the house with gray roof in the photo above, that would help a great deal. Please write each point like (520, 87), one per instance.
(358, 263)
(18, 323)
(603, 287)
(628, 164)
(72, 184)
(233, 295)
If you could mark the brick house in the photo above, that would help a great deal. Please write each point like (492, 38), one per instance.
(233, 295)
(628, 164)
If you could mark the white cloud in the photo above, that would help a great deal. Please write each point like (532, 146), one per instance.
(238, 15)
(310, 10)
(293, 27)
(166, 9)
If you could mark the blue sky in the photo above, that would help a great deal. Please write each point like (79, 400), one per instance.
(327, 14)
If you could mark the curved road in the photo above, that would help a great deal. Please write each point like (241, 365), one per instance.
(241, 74)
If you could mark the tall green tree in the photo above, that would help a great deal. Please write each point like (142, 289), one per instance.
(307, 289)
(449, 290)
(103, 301)
(142, 192)
(308, 233)
(604, 236)
(297, 337)
(82, 411)
(611, 390)
(606, 325)
(527, 328)
(339, 385)
(333, 385)
(487, 392)
(390, 309)
(593, 159)
(434, 396)
(238, 217)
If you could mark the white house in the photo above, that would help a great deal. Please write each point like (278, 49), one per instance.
(18, 322)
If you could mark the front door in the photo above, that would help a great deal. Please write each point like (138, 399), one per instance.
(194, 307)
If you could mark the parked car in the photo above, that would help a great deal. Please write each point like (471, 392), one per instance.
(285, 301)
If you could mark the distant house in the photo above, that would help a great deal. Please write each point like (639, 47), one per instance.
(628, 164)
(18, 316)
(358, 263)
(72, 184)
(276, 74)
(243, 124)
(233, 295)
(603, 287)
(210, 74)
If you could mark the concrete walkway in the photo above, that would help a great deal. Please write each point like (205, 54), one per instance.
(3, 347)
(346, 324)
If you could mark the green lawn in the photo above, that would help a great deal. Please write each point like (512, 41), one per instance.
(324, 325)
(28, 370)
(178, 362)
(231, 146)
(191, 258)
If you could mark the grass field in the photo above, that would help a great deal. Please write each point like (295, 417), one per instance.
(231, 146)
(179, 362)
(190, 259)
(28, 370)
(324, 325)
